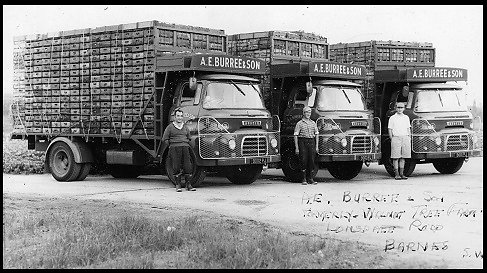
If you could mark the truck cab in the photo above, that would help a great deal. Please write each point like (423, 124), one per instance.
(443, 131)
(232, 132)
(348, 133)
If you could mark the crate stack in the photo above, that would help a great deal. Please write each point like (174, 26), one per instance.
(381, 55)
(277, 47)
(98, 81)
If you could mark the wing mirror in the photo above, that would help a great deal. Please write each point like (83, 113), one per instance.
(309, 88)
(192, 83)
(405, 91)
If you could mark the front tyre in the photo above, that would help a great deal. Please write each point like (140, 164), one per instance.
(291, 167)
(345, 170)
(448, 165)
(197, 177)
(61, 163)
(243, 174)
(409, 166)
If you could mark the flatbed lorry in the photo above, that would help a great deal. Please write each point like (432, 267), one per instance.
(105, 95)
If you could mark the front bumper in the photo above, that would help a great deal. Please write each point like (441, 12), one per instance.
(350, 157)
(453, 154)
(239, 161)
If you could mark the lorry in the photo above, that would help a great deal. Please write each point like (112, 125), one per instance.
(103, 96)
(299, 74)
(348, 136)
(443, 131)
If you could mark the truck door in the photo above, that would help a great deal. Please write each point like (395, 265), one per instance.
(294, 111)
(188, 100)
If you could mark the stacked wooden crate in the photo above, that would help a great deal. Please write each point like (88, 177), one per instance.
(381, 55)
(276, 47)
(97, 81)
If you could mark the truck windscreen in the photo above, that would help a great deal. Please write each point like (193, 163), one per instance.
(339, 98)
(220, 95)
(440, 100)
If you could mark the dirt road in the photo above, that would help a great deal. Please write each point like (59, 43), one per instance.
(428, 216)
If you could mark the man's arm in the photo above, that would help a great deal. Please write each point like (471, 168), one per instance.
(166, 134)
(296, 133)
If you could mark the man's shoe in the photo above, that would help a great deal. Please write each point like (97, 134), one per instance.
(403, 177)
(189, 187)
(304, 183)
(177, 179)
(397, 177)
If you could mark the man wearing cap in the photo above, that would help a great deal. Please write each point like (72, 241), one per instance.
(306, 143)
(400, 133)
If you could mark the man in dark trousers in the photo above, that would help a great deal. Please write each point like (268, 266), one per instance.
(179, 150)
(306, 143)
(400, 133)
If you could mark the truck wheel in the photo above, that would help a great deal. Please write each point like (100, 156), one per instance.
(85, 170)
(409, 167)
(199, 172)
(448, 165)
(345, 170)
(291, 167)
(243, 174)
(61, 163)
(124, 171)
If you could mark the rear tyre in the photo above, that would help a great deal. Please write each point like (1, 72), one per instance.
(125, 171)
(85, 170)
(61, 163)
(243, 174)
(345, 170)
(448, 165)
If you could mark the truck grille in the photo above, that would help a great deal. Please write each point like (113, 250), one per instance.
(254, 146)
(361, 144)
(457, 142)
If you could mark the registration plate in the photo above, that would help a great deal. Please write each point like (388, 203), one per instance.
(365, 157)
(461, 154)
(258, 160)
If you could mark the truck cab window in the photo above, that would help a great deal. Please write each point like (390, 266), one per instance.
(300, 99)
(187, 95)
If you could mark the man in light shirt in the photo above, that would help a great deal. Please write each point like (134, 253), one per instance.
(306, 143)
(400, 134)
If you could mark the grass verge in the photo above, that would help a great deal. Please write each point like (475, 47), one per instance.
(59, 233)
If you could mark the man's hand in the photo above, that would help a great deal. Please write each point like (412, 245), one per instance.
(296, 150)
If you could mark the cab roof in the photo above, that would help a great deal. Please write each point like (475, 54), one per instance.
(333, 82)
(227, 77)
(435, 86)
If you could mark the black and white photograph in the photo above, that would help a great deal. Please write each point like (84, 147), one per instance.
(242, 136)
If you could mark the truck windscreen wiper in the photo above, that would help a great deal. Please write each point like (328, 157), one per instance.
(458, 100)
(346, 96)
(255, 89)
(439, 96)
(238, 88)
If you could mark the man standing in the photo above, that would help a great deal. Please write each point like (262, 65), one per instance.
(400, 133)
(179, 150)
(306, 143)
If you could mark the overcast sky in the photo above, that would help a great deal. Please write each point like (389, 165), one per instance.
(455, 31)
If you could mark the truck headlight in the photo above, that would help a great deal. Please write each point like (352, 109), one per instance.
(471, 125)
(475, 139)
(232, 144)
(376, 141)
(344, 142)
(274, 143)
(438, 140)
